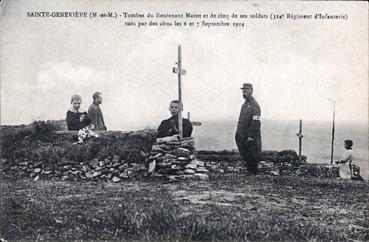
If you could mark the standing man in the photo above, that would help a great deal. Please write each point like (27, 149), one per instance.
(95, 113)
(248, 138)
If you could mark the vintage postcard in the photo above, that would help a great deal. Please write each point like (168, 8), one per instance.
(184, 120)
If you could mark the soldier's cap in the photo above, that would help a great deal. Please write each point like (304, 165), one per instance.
(247, 86)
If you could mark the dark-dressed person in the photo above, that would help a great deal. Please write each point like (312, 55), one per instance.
(95, 113)
(169, 127)
(248, 136)
(75, 119)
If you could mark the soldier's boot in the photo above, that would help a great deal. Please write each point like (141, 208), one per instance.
(252, 168)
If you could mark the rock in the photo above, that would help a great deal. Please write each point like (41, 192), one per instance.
(182, 152)
(176, 167)
(116, 164)
(287, 155)
(202, 176)
(229, 169)
(89, 175)
(139, 167)
(182, 158)
(213, 167)
(188, 142)
(96, 174)
(155, 148)
(191, 166)
(189, 171)
(36, 178)
(108, 176)
(152, 166)
(173, 138)
(155, 174)
(122, 167)
(38, 164)
(124, 175)
(274, 173)
(202, 170)
(269, 155)
(180, 172)
(153, 157)
(37, 170)
(116, 179)
(77, 173)
(67, 178)
(163, 164)
(116, 158)
(116, 172)
(199, 163)
(48, 172)
(173, 178)
(169, 156)
(132, 174)
(101, 163)
(219, 170)
(85, 168)
(100, 168)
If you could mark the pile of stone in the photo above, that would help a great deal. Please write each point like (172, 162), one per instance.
(174, 159)
(111, 169)
(316, 170)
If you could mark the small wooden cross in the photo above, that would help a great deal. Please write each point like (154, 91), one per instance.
(299, 134)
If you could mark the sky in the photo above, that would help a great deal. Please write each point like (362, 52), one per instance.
(294, 65)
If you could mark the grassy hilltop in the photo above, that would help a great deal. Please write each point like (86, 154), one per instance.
(230, 206)
(225, 208)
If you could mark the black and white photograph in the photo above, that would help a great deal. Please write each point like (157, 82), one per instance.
(184, 120)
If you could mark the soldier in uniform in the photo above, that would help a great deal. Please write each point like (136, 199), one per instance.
(248, 138)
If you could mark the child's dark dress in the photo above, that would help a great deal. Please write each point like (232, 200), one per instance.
(165, 130)
(73, 121)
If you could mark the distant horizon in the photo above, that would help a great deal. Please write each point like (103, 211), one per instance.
(337, 122)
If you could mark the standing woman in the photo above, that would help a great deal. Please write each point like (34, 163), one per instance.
(76, 120)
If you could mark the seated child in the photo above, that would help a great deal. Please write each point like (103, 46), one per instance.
(169, 127)
(344, 163)
(76, 120)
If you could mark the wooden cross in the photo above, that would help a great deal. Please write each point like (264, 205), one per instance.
(299, 134)
(180, 72)
(194, 123)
